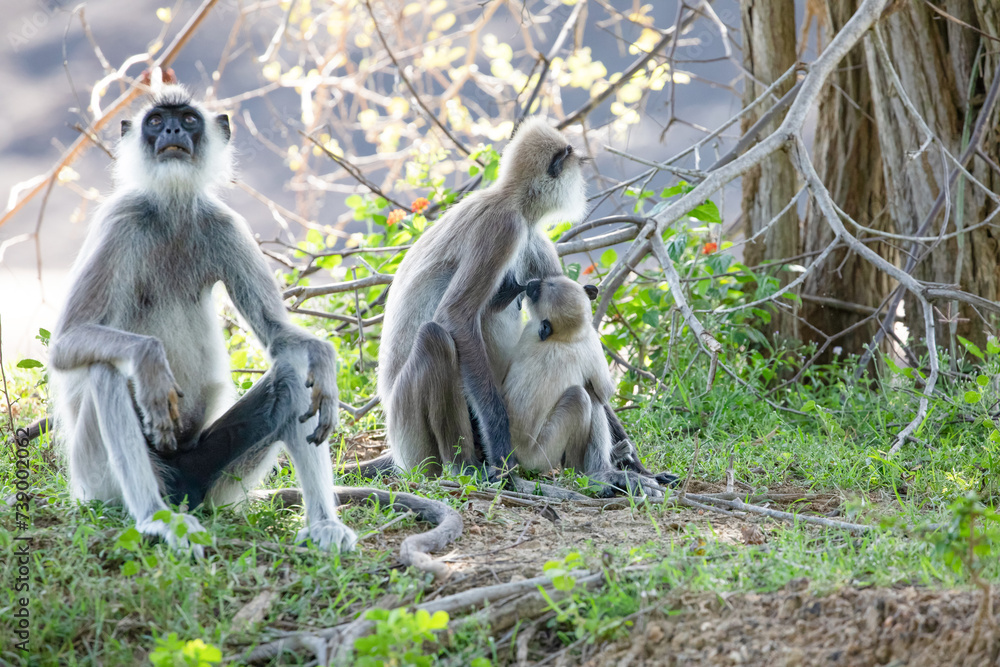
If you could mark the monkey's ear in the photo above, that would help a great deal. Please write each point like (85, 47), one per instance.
(556, 166)
(591, 291)
(126, 126)
(222, 120)
(545, 329)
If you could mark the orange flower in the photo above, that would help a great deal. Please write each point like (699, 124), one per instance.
(420, 205)
(709, 248)
(590, 269)
(395, 216)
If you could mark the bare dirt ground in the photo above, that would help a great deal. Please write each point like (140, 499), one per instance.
(906, 626)
(858, 627)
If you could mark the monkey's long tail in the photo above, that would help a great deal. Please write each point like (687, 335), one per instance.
(43, 425)
(415, 549)
(379, 467)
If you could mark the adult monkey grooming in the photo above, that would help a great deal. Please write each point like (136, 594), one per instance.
(143, 395)
(451, 328)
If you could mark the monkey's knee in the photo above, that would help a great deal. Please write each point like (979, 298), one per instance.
(435, 351)
(563, 436)
(575, 404)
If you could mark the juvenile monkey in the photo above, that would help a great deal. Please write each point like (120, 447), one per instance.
(144, 401)
(557, 385)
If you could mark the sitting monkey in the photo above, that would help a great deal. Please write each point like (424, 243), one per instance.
(557, 384)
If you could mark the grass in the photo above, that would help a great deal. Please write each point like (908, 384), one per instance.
(85, 610)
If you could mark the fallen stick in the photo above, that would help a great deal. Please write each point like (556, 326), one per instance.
(741, 506)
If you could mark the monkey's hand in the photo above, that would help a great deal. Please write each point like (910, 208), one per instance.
(158, 397)
(330, 535)
(509, 290)
(176, 530)
(321, 378)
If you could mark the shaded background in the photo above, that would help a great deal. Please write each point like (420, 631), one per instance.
(44, 96)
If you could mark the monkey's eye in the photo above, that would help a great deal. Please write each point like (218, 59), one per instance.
(154, 121)
(190, 119)
(556, 166)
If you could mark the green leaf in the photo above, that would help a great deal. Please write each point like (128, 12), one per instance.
(163, 515)
(982, 380)
(707, 212)
(130, 567)
(674, 191)
(29, 363)
(313, 237)
(490, 173)
(608, 257)
(719, 262)
(202, 537)
(573, 271)
(43, 334)
(439, 621)
(972, 396)
(354, 201)
(377, 614)
(563, 582)
(972, 348)
(129, 540)
(651, 317)
(992, 346)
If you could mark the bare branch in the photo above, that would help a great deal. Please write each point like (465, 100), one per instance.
(80, 145)
(302, 293)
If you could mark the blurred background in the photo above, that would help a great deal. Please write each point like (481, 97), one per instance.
(54, 53)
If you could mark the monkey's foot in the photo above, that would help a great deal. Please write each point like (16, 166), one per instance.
(666, 479)
(175, 532)
(614, 482)
(329, 534)
(625, 457)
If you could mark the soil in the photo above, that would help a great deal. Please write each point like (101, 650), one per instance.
(907, 626)
(792, 627)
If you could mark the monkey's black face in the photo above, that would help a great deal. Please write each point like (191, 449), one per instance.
(173, 132)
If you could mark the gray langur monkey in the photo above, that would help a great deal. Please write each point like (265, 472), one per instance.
(557, 386)
(453, 318)
(144, 401)
(448, 334)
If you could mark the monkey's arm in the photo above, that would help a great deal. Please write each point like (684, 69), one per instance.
(539, 258)
(460, 312)
(255, 294)
(509, 290)
(80, 342)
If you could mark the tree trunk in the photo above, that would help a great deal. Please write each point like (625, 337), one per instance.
(848, 158)
(768, 51)
(934, 58)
